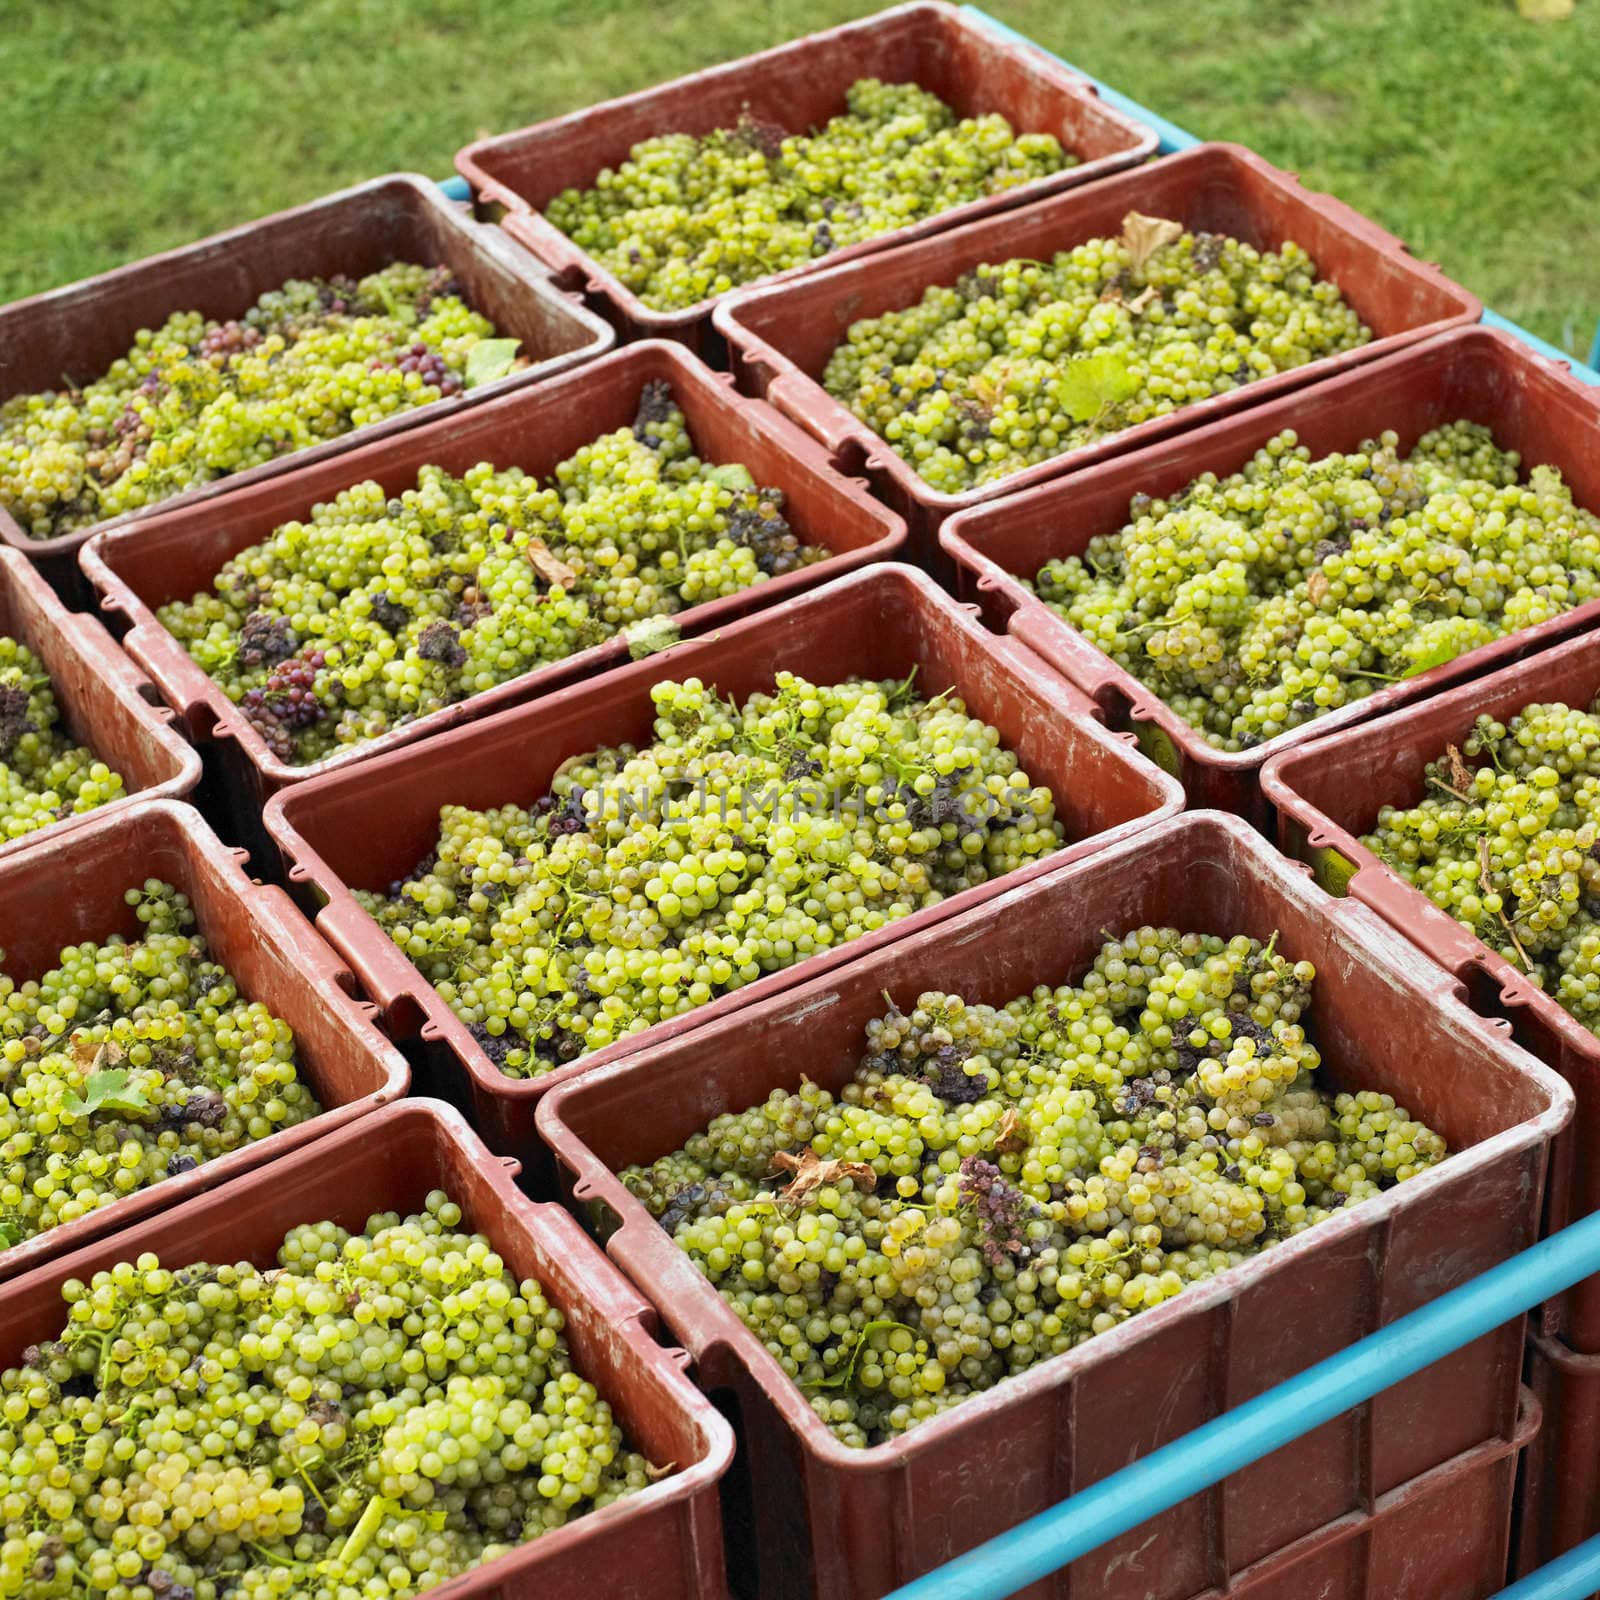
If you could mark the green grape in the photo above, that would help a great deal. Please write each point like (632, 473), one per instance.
(196, 399)
(1257, 603)
(372, 1416)
(1507, 841)
(379, 609)
(997, 1184)
(743, 839)
(44, 776)
(132, 1061)
(1020, 361)
(687, 217)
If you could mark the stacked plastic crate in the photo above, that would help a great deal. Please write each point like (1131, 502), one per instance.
(1409, 1492)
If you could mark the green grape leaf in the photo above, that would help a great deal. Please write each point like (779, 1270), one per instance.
(842, 1378)
(1333, 869)
(108, 1091)
(652, 634)
(733, 476)
(10, 1234)
(406, 314)
(489, 359)
(1091, 383)
(1440, 653)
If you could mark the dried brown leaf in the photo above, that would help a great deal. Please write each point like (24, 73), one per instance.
(1142, 236)
(1013, 1139)
(1317, 587)
(1460, 772)
(548, 565)
(810, 1173)
(655, 1474)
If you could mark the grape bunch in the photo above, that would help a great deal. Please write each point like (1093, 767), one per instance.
(371, 1417)
(686, 217)
(1507, 840)
(1256, 603)
(379, 610)
(197, 399)
(996, 1185)
(1018, 362)
(651, 880)
(44, 776)
(132, 1061)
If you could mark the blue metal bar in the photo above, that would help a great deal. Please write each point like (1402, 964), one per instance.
(1574, 1576)
(1171, 135)
(456, 188)
(1584, 374)
(1067, 1531)
(1594, 349)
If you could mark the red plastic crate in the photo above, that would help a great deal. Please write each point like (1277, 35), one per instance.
(1532, 405)
(60, 893)
(780, 338)
(799, 85)
(1384, 1018)
(663, 1543)
(1443, 1536)
(81, 329)
(175, 554)
(99, 695)
(369, 826)
(1329, 793)
(1558, 1503)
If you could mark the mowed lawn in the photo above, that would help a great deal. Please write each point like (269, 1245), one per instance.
(130, 125)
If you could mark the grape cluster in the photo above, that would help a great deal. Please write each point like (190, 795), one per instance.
(368, 1419)
(44, 776)
(1017, 362)
(686, 217)
(379, 610)
(198, 399)
(650, 881)
(1507, 840)
(130, 1062)
(995, 1185)
(1256, 603)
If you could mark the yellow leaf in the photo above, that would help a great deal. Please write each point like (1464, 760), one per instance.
(1013, 1137)
(549, 566)
(1142, 236)
(810, 1172)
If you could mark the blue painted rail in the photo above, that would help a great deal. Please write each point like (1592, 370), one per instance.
(1049, 1541)
(1077, 1526)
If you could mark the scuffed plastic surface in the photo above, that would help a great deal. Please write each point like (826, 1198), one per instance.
(60, 893)
(100, 696)
(175, 554)
(663, 1543)
(369, 826)
(1328, 794)
(81, 329)
(1384, 1018)
(780, 338)
(1532, 405)
(800, 85)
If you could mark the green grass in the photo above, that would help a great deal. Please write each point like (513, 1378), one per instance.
(131, 126)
